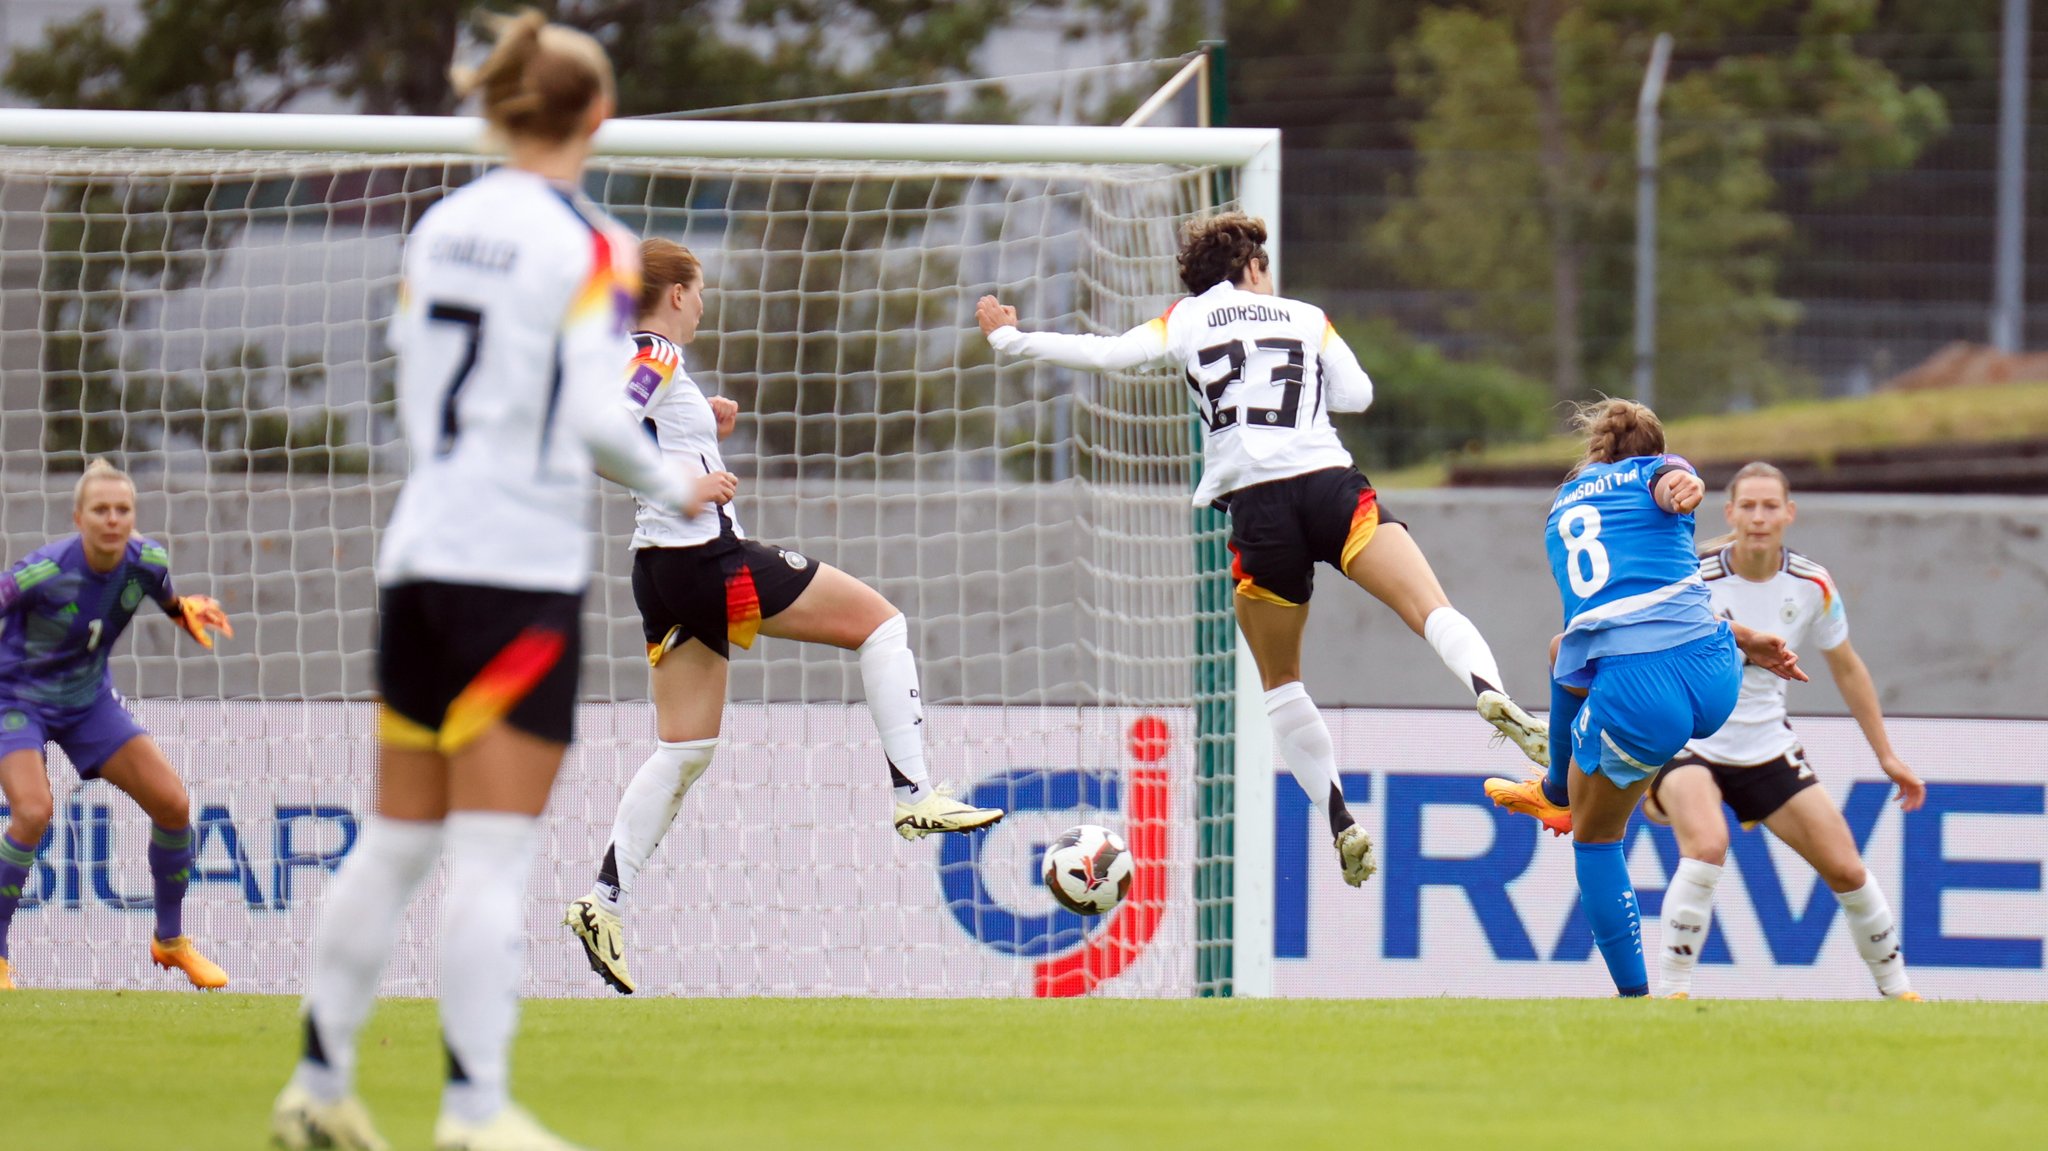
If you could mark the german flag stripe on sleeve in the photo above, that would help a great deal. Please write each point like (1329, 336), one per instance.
(608, 291)
(1806, 569)
(655, 361)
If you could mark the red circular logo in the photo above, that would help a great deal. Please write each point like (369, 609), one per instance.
(1150, 739)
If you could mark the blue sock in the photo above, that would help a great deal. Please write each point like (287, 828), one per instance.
(1609, 900)
(170, 865)
(1564, 711)
(15, 863)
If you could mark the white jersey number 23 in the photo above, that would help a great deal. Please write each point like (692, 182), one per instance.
(1270, 361)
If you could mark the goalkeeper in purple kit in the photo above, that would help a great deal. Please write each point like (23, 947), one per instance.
(61, 609)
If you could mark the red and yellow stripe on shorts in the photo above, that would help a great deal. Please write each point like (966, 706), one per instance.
(742, 608)
(1365, 521)
(1248, 587)
(510, 676)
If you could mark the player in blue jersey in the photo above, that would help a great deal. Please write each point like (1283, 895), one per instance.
(61, 609)
(1643, 666)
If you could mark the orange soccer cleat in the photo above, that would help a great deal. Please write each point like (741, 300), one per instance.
(179, 953)
(1527, 798)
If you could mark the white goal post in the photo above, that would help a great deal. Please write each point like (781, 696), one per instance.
(200, 297)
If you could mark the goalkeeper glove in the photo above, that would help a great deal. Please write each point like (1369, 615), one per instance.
(197, 613)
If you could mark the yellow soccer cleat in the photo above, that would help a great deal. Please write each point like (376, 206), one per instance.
(1679, 995)
(603, 938)
(510, 1130)
(1525, 731)
(939, 812)
(1354, 852)
(1527, 798)
(1906, 997)
(6, 976)
(299, 1122)
(180, 953)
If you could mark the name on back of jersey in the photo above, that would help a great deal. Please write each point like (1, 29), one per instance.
(1598, 485)
(491, 254)
(1250, 313)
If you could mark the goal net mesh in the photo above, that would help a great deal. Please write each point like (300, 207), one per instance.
(213, 322)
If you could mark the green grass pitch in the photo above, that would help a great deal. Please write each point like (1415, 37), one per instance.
(110, 1071)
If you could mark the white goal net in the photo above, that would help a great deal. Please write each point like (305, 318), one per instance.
(212, 320)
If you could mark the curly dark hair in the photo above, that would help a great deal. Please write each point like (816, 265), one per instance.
(1217, 249)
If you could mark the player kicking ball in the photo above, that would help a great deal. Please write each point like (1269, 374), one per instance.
(701, 586)
(1643, 665)
(61, 610)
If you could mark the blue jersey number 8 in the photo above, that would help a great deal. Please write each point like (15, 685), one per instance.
(1579, 530)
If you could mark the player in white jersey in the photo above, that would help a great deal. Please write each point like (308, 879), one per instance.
(1265, 372)
(701, 586)
(511, 323)
(1754, 762)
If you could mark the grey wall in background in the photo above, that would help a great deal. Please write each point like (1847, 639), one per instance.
(1011, 596)
(1947, 599)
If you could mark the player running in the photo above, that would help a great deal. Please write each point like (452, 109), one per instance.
(511, 326)
(701, 586)
(1265, 372)
(61, 610)
(1754, 762)
(1643, 665)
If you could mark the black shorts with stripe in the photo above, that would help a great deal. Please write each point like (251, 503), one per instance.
(1281, 529)
(1753, 792)
(716, 593)
(452, 659)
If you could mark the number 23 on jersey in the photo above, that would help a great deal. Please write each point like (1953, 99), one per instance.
(1279, 361)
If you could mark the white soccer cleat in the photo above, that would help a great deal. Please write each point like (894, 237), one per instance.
(510, 1130)
(603, 937)
(300, 1122)
(1530, 734)
(940, 812)
(1354, 851)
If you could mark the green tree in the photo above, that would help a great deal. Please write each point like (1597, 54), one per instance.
(1522, 201)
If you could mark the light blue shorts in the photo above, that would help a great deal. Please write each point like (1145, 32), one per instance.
(1643, 708)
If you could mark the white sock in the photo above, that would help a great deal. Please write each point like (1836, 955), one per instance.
(357, 926)
(1304, 742)
(483, 943)
(888, 675)
(1877, 938)
(645, 813)
(1688, 909)
(1463, 650)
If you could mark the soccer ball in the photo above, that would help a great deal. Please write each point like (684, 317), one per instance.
(1088, 869)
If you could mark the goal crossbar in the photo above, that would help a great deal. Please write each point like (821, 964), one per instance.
(770, 140)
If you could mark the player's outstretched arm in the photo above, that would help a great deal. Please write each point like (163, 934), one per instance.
(1769, 652)
(200, 616)
(1144, 344)
(1679, 491)
(1859, 691)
